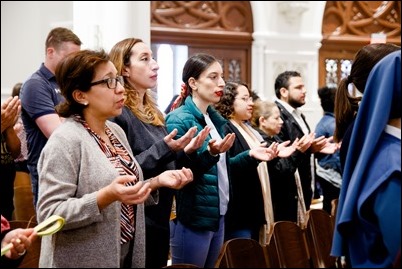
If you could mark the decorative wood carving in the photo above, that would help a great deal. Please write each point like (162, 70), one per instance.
(223, 29)
(213, 15)
(362, 18)
(347, 27)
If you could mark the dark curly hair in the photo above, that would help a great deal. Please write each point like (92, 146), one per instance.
(225, 105)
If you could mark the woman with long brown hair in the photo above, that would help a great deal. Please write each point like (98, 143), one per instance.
(154, 148)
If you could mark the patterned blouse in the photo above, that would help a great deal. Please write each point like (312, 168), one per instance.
(122, 161)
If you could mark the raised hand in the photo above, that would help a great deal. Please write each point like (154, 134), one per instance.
(285, 150)
(197, 141)
(330, 147)
(128, 194)
(10, 110)
(182, 142)
(175, 179)
(305, 142)
(216, 147)
(263, 153)
(318, 144)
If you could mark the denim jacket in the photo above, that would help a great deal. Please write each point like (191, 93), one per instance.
(326, 127)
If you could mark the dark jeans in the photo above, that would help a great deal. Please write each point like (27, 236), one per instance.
(329, 192)
(199, 247)
(34, 181)
(157, 246)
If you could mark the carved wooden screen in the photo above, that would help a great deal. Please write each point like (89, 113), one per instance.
(347, 26)
(223, 29)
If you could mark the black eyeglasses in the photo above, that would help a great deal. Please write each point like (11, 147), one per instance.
(110, 82)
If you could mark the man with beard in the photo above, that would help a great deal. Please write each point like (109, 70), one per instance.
(291, 94)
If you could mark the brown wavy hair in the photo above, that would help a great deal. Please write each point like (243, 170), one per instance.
(120, 55)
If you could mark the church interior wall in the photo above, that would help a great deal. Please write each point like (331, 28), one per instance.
(287, 35)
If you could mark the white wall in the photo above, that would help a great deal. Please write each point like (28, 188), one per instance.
(287, 36)
(286, 39)
(102, 24)
(25, 25)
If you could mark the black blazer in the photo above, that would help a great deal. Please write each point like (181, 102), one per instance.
(246, 205)
(290, 131)
(283, 183)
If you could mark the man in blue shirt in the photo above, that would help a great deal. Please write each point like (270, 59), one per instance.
(39, 96)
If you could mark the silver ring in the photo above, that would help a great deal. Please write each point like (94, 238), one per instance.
(22, 253)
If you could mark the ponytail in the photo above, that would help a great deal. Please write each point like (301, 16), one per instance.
(346, 107)
(182, 96)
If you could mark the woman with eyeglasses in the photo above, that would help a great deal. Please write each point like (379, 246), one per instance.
(153, 147)
(250, 213)
(89, 176)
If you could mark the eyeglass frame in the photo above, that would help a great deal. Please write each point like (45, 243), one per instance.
(248, 99)
(119, 79)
